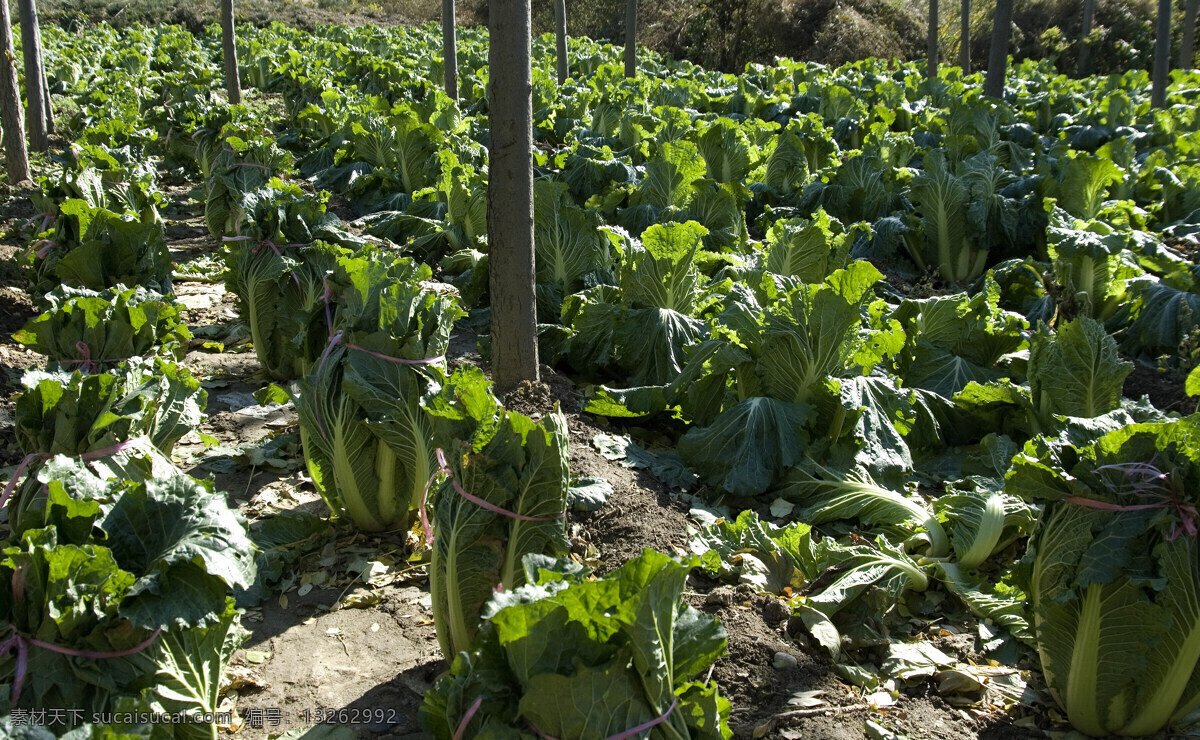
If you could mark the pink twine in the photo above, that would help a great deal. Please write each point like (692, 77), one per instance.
(1151, 484)
(93, 455)
(266, 243)
(22, 643)
(87, 364)
(45, 244)
(47, 219)
(1187, 513)
(628, 733)
(466, 720)
(274, 247)
(337, 339)
(649, 724)
(443, 467)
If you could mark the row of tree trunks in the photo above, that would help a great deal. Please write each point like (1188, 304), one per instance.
(16, 156)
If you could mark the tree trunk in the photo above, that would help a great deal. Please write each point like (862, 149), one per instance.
(233, 84)
(450, 48)
(1162, 56)
(931, 44)
(46, 97)
(16, 157)
(1187, 44)
(510, 196)
(998, 53)
(560, 30)
(35, 94)
(631, 38)
(1085, 30)
(964, 38)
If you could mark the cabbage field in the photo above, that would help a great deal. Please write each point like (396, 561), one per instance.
(869, 402)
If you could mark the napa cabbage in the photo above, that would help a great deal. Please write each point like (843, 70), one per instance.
(89, 330)
(511, 463)
(281, 291)
(97, 249)
(140, 566)
(954, 340)
(366, 442)
(643, 325)
(575, 657)
(1115, 582)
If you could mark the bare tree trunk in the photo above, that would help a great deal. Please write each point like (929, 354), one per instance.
(931, 44)
(631, 38)
(510, 196)
(233, 84)
(35, 94)
(1187, 44)
(450, 48)
(560, 30)
(16, 157)
(964, 38)
(998, 53)
(1162, 56)
(46, 97)
(1085, 30)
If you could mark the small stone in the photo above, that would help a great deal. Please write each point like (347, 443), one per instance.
(775, 611)
(721, 596)
(785, 661)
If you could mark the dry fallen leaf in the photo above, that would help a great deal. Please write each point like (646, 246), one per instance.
(806, 699)
(241, 677)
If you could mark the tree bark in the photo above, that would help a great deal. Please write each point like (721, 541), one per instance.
(1162, 56)
(46, 97)
(631, 13)
(16, 157)
(510, 196)
(1085, 30)
(233, 84)
(964, 38)
(1187, 44)
(35, 94)
(931, 44)
(560, 30)
(998, 53)
(450, 48)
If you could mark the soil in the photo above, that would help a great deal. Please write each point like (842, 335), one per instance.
(1164, 387)
(15, 310)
